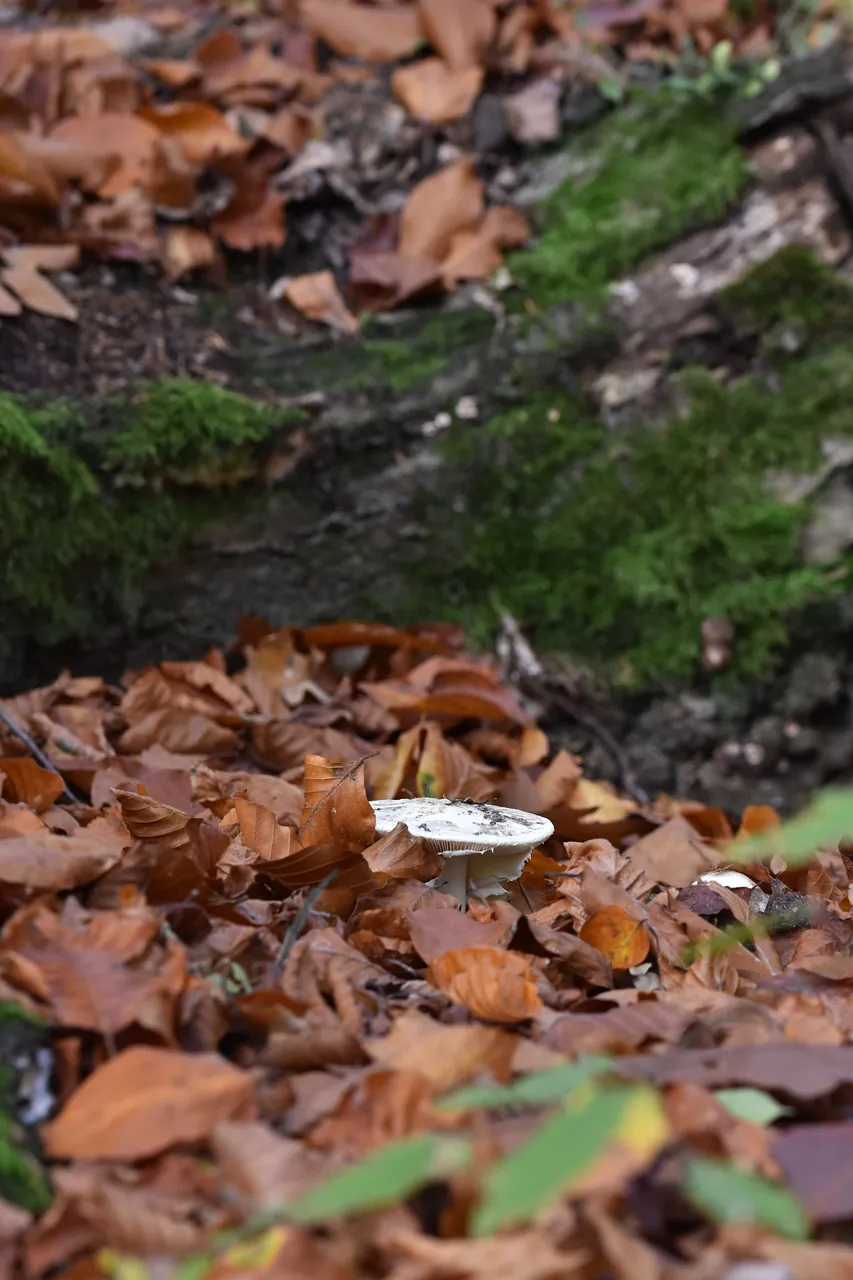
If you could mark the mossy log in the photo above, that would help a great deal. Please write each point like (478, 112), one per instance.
(541, 455)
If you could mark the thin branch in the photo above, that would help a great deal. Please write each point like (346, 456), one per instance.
(297, 924)
(36, 752)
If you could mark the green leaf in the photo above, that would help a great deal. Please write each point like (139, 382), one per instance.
(534, 1090)
(828, 819)
(561, 1150)
(726, 1194)
(385, 1177)
(751, 1104)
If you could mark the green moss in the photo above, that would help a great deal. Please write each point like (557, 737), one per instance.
(791, 290)
(421, 351)
(90, 502)
(615, 546)
(642, 176)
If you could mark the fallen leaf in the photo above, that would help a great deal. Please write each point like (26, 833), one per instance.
(459, 30)
(43, 257)
(146, 1100)
(47, 861)
(402, 856)
(28, 783)
(316, 296)
(336, 811)
(37, 292)
(430, 90)
(619, 936)
(260, 831)
(254, 218)
(363, 31)
(187, 248)
(445, 1055)
(439, 207)
(202, 133)
(498, 986)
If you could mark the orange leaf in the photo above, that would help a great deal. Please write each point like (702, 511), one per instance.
(316, 296)
(260, 831)
(376, 33)
(430, 90)
(47, 861)
(756, 818)
(459, 30)
(28, 783)
(617, 935)
(148, 819)
(499, 986)
(438, 208)
(336, 811)
(37, 292)
(403, 856)
(145, 1101)
(202, 133)
(187, 249)
(254, 218)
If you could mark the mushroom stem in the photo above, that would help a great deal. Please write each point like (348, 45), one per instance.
(454, 879)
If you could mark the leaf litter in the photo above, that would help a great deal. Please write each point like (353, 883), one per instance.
(182, 135)
(273, 1047)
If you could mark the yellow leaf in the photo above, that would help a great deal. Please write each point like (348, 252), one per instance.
(643, 1127)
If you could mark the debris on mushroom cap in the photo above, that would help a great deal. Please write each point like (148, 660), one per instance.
(483, 844)
(729, 879)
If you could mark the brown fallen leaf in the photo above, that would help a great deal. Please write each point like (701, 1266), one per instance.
(438, 208)
(28, 783)
(459, 30)
(362, 31)
(317, 297)
(336, 811)
(43, 257)
(47, 861)
(132, 141)
(146, 1100)
(254, 218)
(261, 832)
(498, 986)
(431, 90)
(402, 856)
(447, 1056)
(37, 292)
(619, 936)
(202, 133)
(187, 248)
(179, 731)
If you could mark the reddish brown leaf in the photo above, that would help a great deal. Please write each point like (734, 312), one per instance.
(402, 856)
(430, 90)
(47, 861)
(619, 936)
(28, 783)
(147, 1100)
(439, 207)
(317, 297)
(377, 34)
(498, 986)
(337, 811)
(261, 832)
(459, 30)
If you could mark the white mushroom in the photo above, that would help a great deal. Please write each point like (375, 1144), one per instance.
(729, 879)
(483, 845)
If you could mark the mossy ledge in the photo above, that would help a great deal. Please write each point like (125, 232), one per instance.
(93, 496)
(610, 544)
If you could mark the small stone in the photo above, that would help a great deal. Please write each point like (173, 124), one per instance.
(467, 408)
(626, 291)
(814, 682)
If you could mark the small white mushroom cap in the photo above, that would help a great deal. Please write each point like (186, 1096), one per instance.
(483, 843)
(729, 879)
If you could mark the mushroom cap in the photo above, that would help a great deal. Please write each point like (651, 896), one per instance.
(729, 879)
(464, 827)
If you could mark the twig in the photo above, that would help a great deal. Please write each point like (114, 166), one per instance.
(36, 752)
(297, 924)
(531, 674)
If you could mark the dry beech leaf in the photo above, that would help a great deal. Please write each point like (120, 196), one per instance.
(438, 208)
(37, 292)
(146, 1100)
(43, 257)
(317, 297)
(459, 30)
(498, 986)
(619, 936)
(187, 248)
(9, 304)
(402, 856)
(337, 811)
(447, 1056)
(430, 90)
(254, 218)
(260, 831)
(47, 861)
(148, 819)
(133, 142)
(202, 133)
(376, 34)
(28, 783)
(180, 731)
